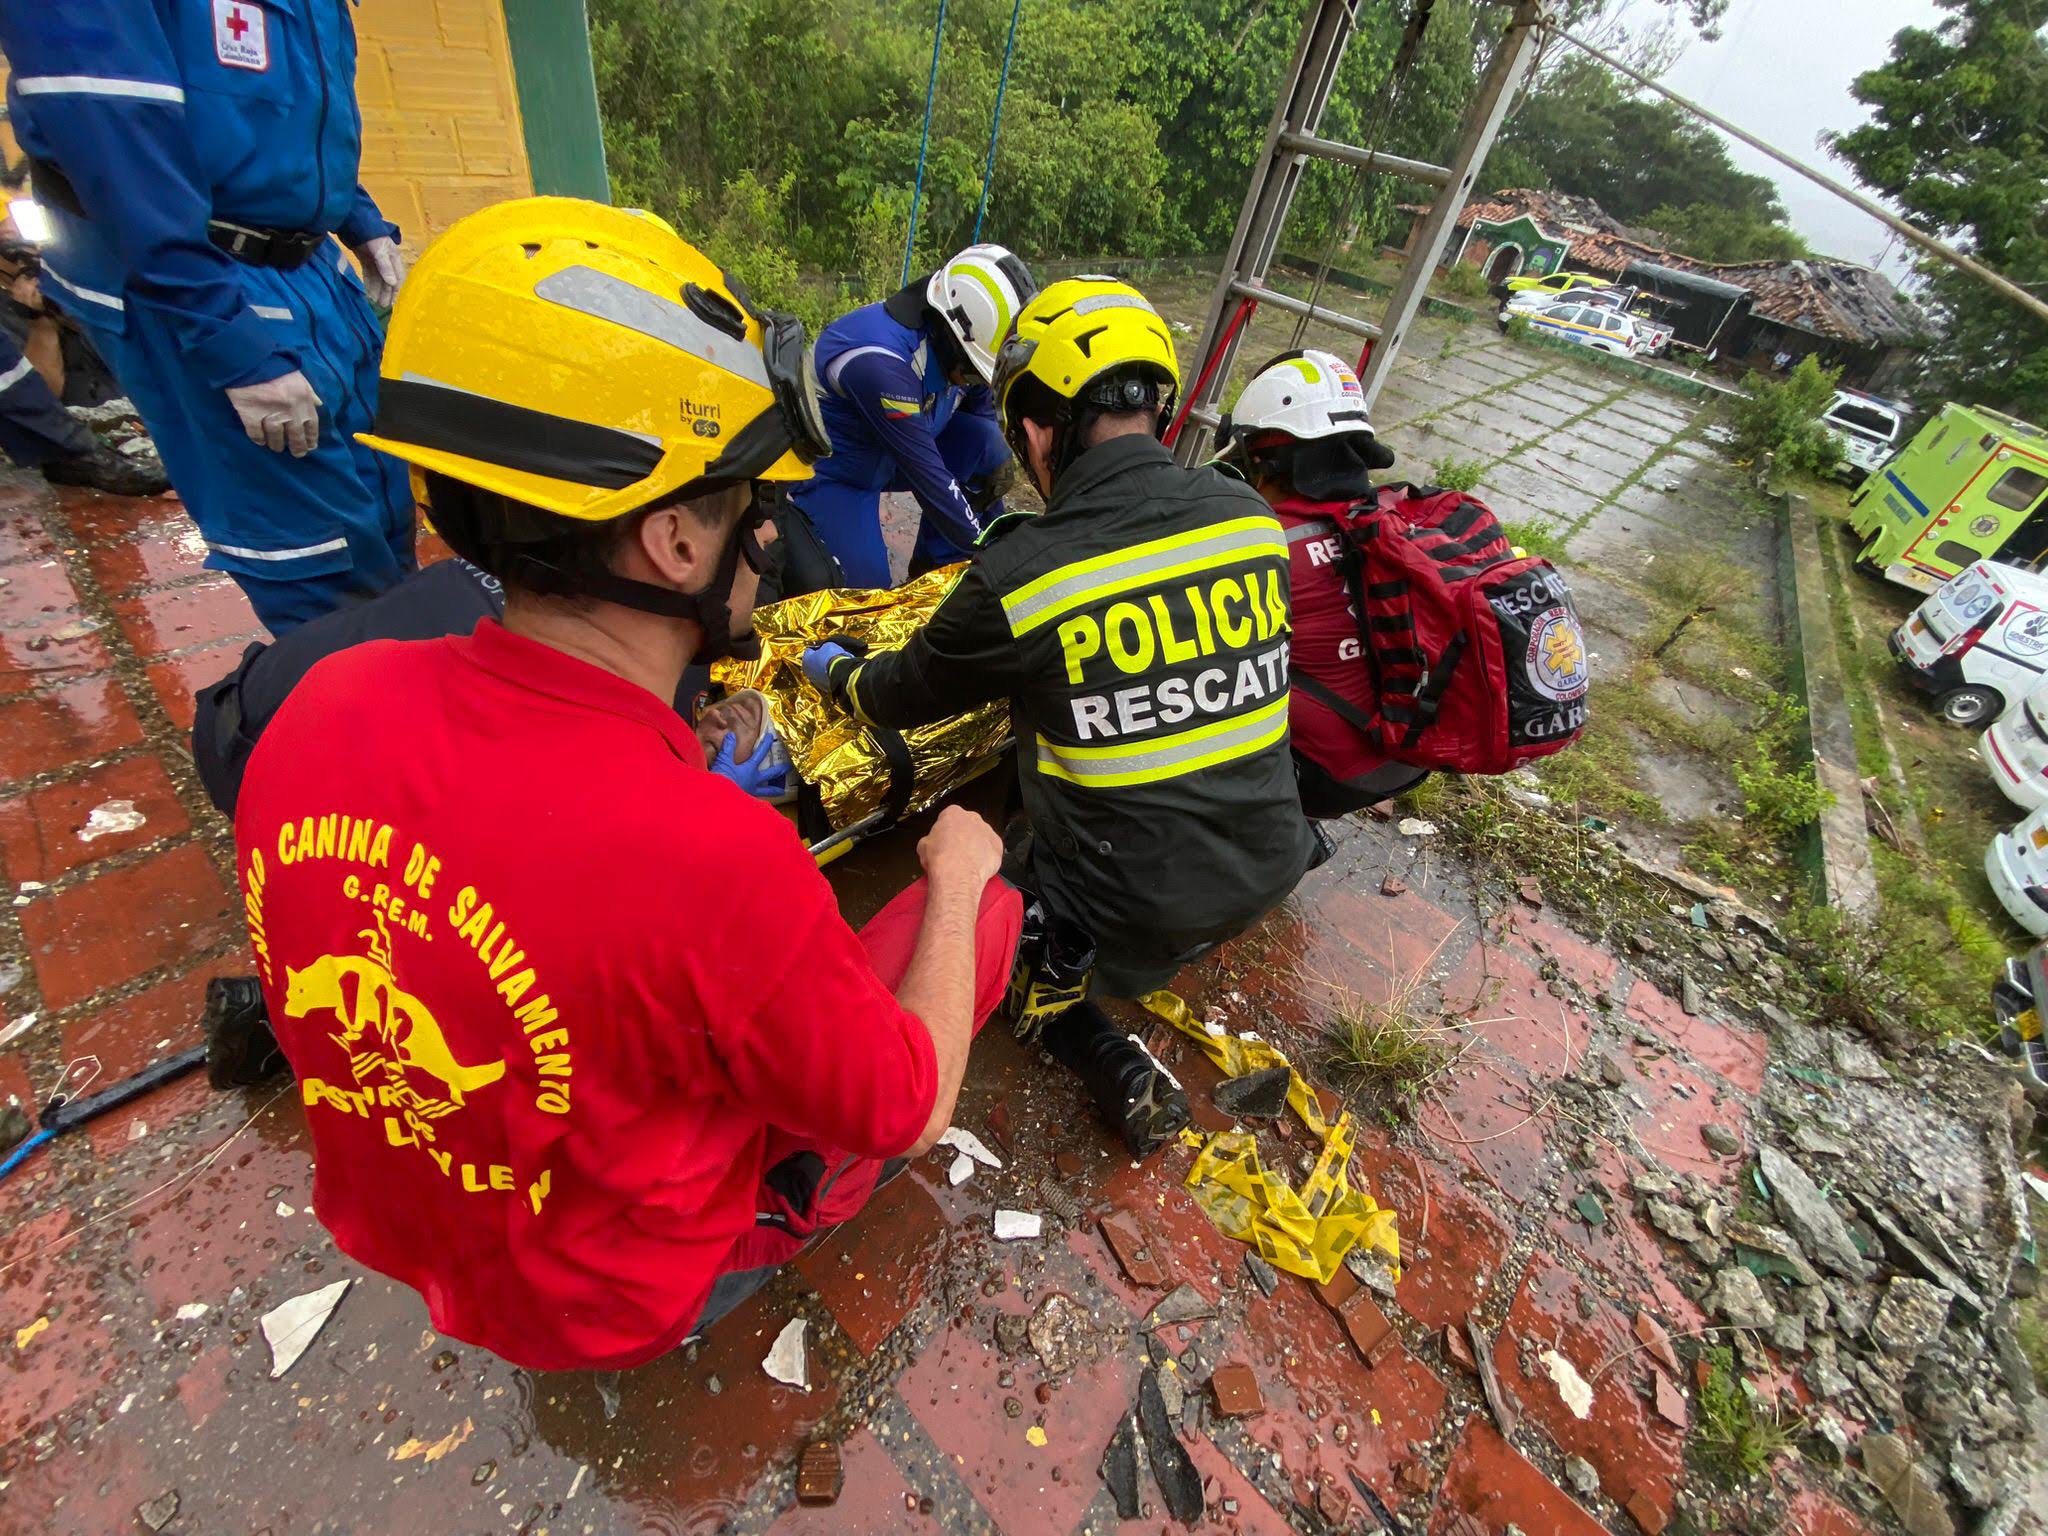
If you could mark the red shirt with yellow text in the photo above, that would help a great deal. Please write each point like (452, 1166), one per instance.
(546, 983)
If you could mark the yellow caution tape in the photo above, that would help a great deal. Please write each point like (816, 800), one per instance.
(1307, 1233)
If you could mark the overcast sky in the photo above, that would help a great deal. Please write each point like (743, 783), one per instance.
(1782, 71)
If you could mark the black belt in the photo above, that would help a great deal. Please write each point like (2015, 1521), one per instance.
(265, 247)
(258, 247)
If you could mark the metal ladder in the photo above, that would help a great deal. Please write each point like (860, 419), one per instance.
(1291, 140)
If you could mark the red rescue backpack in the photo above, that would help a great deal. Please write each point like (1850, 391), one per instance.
(1476, 656)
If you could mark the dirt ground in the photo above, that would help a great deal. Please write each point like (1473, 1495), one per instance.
(1604, 1061)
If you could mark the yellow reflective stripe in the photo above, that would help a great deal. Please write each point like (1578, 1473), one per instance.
(1040, 602)
(853, 695)
(968, 269)
(1165, 757)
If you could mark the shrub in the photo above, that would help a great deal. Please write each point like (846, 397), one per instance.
(1779, 793)
(1519, 328)
(1781, 417)
(1535, 536)
(1455, 474)
(1463, 281)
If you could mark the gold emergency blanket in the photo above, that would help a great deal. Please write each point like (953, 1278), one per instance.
(1307, 1233)
(831, 749)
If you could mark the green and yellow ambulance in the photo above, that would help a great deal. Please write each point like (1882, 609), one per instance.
(1972, 485)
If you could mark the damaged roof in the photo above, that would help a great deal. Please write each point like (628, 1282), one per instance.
(1826, 297)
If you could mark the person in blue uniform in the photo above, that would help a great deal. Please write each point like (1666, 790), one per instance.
(905, 396)
(199, 160)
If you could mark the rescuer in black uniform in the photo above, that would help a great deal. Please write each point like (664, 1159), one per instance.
(1139, 629)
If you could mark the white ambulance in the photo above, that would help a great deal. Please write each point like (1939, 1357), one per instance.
(2016, 864)
(2016, 749)
(1979, 644)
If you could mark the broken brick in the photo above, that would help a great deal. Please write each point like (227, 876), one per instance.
(1414, 1478)
(819, 1475)
(1381, 810)
(1133, 1251)
(1670, 1401)
(1338, 1289)
(1647, 1512)
(1530, 892)
(1393, 885)
(1332, 1503)
(1067, 1164)
(1657, 1342)
(1236, 1391)
(998, 1123)
(1458, 1348)
(1371, 1334)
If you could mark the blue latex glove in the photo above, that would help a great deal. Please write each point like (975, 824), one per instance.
(818, 662)
(757, 775)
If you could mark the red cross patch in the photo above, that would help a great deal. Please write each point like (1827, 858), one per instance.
(240, 40)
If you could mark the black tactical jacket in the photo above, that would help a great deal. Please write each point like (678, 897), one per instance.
(1139, 629)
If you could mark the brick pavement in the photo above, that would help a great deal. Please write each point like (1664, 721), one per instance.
(189, 1200)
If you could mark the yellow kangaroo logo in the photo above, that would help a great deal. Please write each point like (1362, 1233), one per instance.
(401, 1022)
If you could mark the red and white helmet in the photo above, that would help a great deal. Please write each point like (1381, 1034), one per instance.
(978, 293)
(1307, 395)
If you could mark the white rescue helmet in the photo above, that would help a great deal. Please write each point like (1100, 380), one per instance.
(978, 293)
(1307, 395)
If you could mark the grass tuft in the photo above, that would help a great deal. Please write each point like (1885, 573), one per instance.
(1735, 1439)
(1456, 474)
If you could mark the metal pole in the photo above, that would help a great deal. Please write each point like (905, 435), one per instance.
(1878, 211)
(1512, 58)
(931, 87)
(995, 125)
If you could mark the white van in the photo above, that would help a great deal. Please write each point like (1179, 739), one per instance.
(1979, 644)
(1869, 429)
(2016, 750)
(2016, 864)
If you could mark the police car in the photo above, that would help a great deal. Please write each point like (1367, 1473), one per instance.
(1598, 326)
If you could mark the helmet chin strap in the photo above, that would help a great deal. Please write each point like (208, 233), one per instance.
(710, 609)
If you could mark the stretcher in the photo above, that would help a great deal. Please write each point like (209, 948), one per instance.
(859, 780)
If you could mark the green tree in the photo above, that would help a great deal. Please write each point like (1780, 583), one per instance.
(1708, 232)
(1958, 140)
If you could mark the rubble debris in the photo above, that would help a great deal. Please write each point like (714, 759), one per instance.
(1529, 891)
(1909, 1318)
(1260, 1095)
(608, 1399)
(965, 1141)
(1236, 1391)
(1653, 1338)
(1367, 1326)
(961, 1170)
(1854, 1059)
(1504, 1415)
(1067, 1164)
(1012, 1333)
(1771, 1250)
(1180, 1485)
(1646, 1511)
(1264, 1275)
(1590, 1208)
(1906, 1486)
(1061, 1202)
(1818, 1143)
(1393, 885)
(1120, 1467)
(1133, 1250)
(1788, 1334)
(1806, 1214)
(1415, 826)
(1580, 1474)
(1824, 1379)
(291, 1326)
(15, 1126)
(1576, 1391)
(1670, 1401)
(1673, 1220)
(1691, 1000)
(1609, 1065)
(1458, 1349)
(1061, 1334)
(1910, 1254)
(998, 1122)
(819, 1474)
(788, 1361)
(1720, 1140)
(1410, 1474)
(1381, 810)
(1013, 1225)
(160, 1511)
(1182, 1304)
(1739, 1297)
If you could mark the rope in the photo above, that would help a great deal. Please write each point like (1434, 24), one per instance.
(931, 87)
(995, 125)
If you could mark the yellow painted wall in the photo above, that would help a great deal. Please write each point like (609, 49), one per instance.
(441, 129)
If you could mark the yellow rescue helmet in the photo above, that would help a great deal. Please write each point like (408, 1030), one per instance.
(1077, 330)
(587, 360)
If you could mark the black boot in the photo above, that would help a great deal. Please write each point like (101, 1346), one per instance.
(240, 1049)
(1128, 1084)
(108, 469)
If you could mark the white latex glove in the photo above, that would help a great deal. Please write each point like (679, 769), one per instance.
(383, 269)
(279, 413)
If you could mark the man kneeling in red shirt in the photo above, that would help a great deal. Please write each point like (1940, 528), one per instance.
(583, 1042)
(1300, 434)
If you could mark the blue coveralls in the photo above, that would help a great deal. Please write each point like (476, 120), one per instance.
(34, 426)
(162, 114)
(897, 424)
